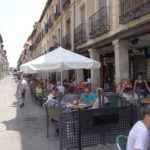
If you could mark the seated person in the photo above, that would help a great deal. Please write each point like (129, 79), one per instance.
(101, 100)
(50, 86)
(122, 86)
(141, 87)
(52, 100)
(66, 83)
(88, 97)
(129, 95)
(61, 88)
(38, 90)
(70, 96)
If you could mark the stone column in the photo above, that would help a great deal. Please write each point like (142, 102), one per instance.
(95, 73)
(121, 60)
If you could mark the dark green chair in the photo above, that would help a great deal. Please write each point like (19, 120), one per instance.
(113, 100)
(121, 142)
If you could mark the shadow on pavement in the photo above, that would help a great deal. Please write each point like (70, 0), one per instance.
(31, 125)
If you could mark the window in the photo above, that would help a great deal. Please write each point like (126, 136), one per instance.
(102, 3)
(82, 14)
(68, 26)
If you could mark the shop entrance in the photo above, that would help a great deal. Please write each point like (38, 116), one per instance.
(139, 52)
(107, 71)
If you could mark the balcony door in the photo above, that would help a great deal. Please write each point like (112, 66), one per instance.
(68, 26)
(102, 4)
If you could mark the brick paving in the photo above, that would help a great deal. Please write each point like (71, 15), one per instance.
(24, 129)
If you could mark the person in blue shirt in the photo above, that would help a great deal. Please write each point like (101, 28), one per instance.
(88, 97)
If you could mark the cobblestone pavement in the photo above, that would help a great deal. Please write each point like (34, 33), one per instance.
(24, 129)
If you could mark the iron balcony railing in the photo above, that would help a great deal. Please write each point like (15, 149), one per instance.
(66, 41)
(99, 23)
(80, 34)
(133, 9)
(65, 3)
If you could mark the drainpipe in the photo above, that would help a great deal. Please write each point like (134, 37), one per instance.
(74, 22)
(61, 24)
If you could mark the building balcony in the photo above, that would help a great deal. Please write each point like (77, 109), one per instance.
(133, 9)
(80, 36)
(65, 3)
(66, 41)
(99, 23)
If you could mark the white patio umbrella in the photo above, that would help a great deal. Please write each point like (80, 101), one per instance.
(59, 60)
(27, 68)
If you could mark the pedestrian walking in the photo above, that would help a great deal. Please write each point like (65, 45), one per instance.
(18, 91)
(24, 89)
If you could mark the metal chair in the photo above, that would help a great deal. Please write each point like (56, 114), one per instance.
(121, 142)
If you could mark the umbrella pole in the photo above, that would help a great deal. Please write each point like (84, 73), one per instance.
(61, 78)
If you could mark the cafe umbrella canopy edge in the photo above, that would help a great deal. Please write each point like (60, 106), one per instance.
(27, 68)
(60, 60)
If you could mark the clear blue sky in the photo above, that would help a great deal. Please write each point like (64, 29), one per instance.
(17, 18)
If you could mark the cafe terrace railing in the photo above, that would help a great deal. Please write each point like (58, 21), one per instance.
(84, 128)
(80, 128)
(80, 36)
(99, 23)
(133, 9)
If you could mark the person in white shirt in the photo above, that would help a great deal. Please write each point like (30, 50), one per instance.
(129, 95)
(52, 100)
(60, 88)
(139, 137)
(101, 100)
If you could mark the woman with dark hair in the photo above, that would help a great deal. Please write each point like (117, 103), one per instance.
(141, 87)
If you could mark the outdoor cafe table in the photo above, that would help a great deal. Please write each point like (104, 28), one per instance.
(88, 127)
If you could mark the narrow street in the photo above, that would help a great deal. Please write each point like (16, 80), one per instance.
(24, 129)
(21, 129)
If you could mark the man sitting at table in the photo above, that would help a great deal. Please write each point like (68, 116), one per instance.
(88, 97)
(101, 99)
(52, 100)
(39, 90)
(69, 97)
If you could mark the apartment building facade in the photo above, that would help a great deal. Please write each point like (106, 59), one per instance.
(3, 60)
(114, 32)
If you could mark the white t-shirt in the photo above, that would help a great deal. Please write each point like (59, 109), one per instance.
(52, 101)
(130, 97)
(138, 137)
(96, 105)
(24, 84)
(61, 89)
